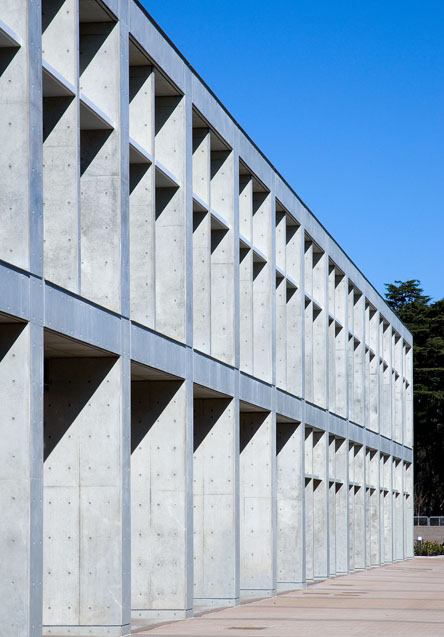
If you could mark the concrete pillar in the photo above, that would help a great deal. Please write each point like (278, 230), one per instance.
(281, 332)
(372, 508)
(61, 145)
(262, 285)
(408, 437)
(332, 488)
(342, 531)
(202, 281)
(387, 509)
(351, 507)
(222, 253)
(290, 482)
(308, 502)
(170, 221)
(159, 500)
(308, 334)
(309, 529)
(320, 506)
(100, 163)
(16, 93)
(358, 356)
(142, 191)
(201, 241)
(341, 503)
(408, 510)
(257, 577)
(398, 510)
(332, 505)
(316, 511)
(245, 310)
(21, 479)
(359, 509)
(84, 589)
(295, 317)
(216, 550)
(320, 327)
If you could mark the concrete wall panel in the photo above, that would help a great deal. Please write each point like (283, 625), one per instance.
(256, 548)
(214, 496)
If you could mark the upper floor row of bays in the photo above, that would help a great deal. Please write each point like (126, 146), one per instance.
(147, 206)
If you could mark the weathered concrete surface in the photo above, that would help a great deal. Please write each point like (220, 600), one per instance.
(405, 598)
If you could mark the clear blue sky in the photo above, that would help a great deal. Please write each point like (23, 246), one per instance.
(346, 99)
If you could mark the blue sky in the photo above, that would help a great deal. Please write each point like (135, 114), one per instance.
(346, 99)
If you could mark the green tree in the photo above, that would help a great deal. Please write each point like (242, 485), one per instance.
(425, 320)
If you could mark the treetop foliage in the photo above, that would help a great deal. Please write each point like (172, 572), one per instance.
(425, 320)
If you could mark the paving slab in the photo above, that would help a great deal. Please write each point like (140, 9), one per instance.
(405, 598)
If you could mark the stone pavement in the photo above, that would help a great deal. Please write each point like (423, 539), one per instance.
(405, 598)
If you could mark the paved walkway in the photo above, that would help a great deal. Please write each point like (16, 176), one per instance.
(406, 598)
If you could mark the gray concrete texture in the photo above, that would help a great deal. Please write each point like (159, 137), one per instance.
(203, 399)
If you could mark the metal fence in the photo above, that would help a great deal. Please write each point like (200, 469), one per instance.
(432, 520)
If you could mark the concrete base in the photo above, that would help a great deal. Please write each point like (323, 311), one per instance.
(212, 602)
(162, 614)
(256, 593)
(90, 631)
(284, 587)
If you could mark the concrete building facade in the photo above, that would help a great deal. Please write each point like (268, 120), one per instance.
(203, 400)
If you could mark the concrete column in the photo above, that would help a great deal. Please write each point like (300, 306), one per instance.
(61, 146)
(341, 505)
(309, 529)
(332, 365)
(320, 327)
(398, 510)
(245, 311)
(141, 198)
(223, 325)
(201, 242)
(308, 335)
(309, 504)
(202, 281)
(246, 206)
(170, 224)
(281, 332)
(398, 527)
(201, 163)
(159, 500)
(15, 128)
(358, 356)
(295, 295)
(20, 479)
(332, 488)
(332, 505)
(262, 286)
(359, 509)
(341, 340)
(408, 510)
(84, 499)
(351, 507)
(100, 164)
(320, 508)
(372, 508)
(257, 577)
(408, 438)
(214, 501)
(387, 509)
(290, 482)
